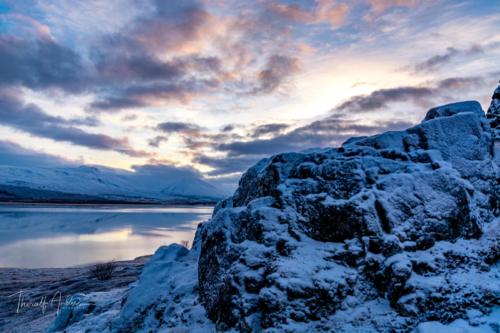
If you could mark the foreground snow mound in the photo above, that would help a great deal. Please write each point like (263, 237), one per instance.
(402, 218)
(165, 296)
(164, 299)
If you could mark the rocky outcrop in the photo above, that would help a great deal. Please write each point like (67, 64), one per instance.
(494, 113)
(404, 217)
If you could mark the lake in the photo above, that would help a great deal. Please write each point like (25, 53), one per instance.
(35, 236)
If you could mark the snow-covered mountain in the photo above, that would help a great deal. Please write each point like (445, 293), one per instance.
(95, 184)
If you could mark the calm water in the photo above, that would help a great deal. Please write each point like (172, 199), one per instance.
(61, 236)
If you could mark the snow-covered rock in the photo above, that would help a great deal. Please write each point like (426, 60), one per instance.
(390, 233)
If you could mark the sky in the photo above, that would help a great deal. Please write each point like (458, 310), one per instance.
(212, 86)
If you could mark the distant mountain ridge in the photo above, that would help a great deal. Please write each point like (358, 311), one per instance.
(91, 184)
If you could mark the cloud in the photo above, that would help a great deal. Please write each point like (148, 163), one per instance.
(437, 61)
(179, 127)
(173, 25)
(459, 83)
(117, 66)
(269, 129)
(157, 140)
(39, 64)
(228, 128)
(226, 165)
(151, 94)
(168, 171)
(167, 52)
(14, 155)
(165, 55)
(151, 56)
(327, 132)
(423, 95)
(182, 179)
(31, 119)
(276, 70)
(378, 7)
(381, 98)
(124, 69)
(341, 124)
(27, 23)
(324, 11)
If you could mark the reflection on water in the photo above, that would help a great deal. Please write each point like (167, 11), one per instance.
(61, 236)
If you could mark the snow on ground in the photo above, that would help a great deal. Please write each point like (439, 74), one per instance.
(50, 283)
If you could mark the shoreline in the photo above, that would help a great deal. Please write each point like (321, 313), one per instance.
(103, 204)
(106, 203)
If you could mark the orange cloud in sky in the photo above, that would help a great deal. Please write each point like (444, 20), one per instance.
(330, 12)
(325, 11)
(380, 6)
(41, 29)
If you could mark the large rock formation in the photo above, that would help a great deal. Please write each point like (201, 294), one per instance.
(381, 234)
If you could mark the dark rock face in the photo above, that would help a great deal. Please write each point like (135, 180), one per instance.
(494, 113)
(404, 217)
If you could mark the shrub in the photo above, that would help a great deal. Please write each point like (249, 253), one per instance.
(103, 271)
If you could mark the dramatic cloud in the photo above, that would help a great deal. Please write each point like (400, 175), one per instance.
(332, 130)
(240, 79)
(172, 52)
(31, 119)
